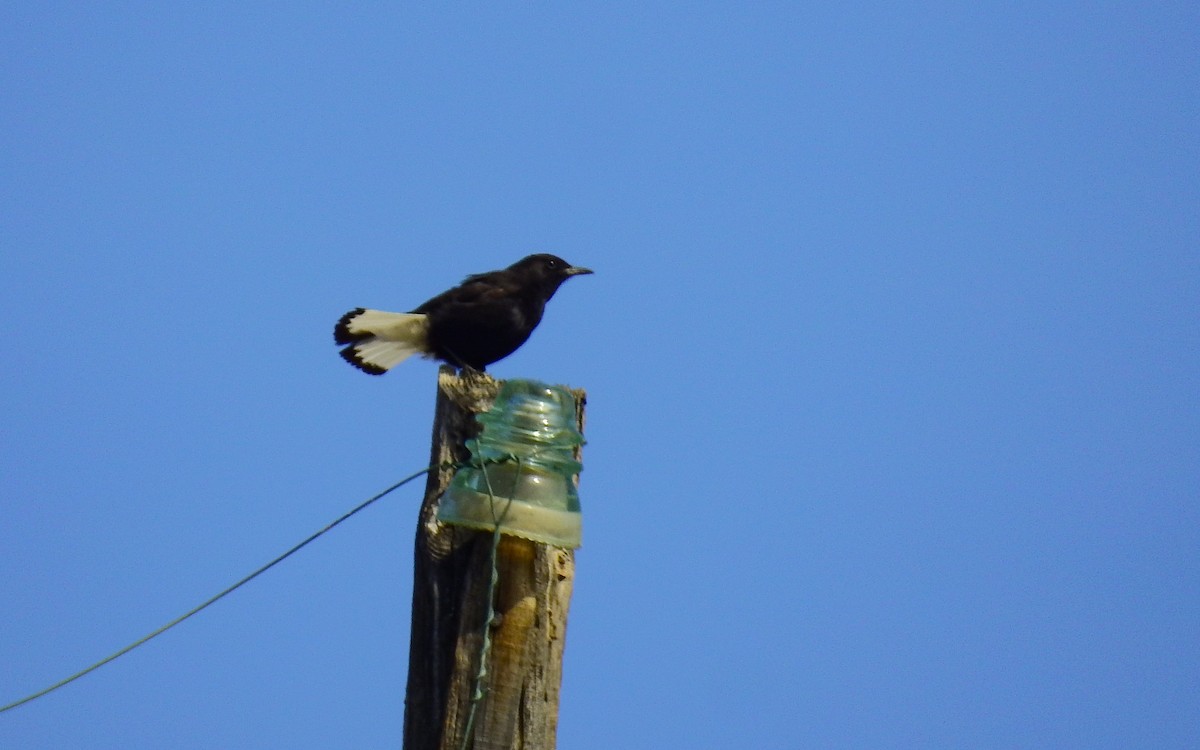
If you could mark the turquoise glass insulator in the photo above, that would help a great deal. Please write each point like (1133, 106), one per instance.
(523, 469)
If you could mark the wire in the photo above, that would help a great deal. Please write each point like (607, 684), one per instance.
(485, 647)
(219, 596)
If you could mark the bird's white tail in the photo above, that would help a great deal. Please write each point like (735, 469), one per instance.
(377, 341)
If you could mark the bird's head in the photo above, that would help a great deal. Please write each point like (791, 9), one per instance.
(546, 272)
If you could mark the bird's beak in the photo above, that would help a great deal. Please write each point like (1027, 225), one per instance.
(578, 271)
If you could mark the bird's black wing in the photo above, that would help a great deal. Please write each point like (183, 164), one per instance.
(480, 288)
(482, 320)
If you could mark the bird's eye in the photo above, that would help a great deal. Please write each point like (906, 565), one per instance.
(551, 263)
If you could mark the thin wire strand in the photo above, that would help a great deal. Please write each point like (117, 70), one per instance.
(485, 647)
(219, 596)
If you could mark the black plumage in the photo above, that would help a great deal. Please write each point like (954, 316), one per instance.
(481, 321)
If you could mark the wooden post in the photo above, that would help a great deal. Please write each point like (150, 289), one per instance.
(450, 578)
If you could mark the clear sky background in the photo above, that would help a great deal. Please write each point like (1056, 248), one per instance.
(892, 353)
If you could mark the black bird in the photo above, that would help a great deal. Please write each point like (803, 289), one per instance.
(481, 321)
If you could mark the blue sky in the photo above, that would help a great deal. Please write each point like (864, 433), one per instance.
(892, 355)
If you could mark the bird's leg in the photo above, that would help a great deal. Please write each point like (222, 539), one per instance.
(455, 360)
(471, 375)
(466, 370)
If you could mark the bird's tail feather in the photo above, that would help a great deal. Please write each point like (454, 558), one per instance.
(376, 341)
